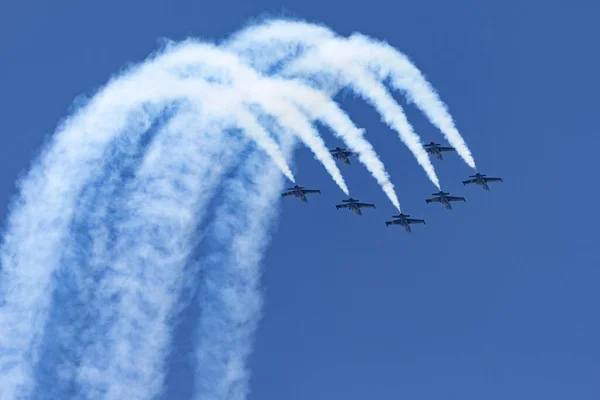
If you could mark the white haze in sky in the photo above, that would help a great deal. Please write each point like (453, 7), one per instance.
(196, 141)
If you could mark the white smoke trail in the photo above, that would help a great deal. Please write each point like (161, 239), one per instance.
(76, 322)
(254, 89)
(388, 62)
(231, 299)
(159, 217)
(320, 107)
(39, 222)
(125, 268)
(275, 41)
(79, 146)
(36, 231)
(375, 93)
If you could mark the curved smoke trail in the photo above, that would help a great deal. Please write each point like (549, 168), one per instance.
(315, 49)
(195, 139)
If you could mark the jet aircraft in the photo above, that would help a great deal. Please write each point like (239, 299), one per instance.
(481, 180)
(299, 192)
(443, 198)
(436, 149)
(354, 205)
(342, 154)
(404, 221)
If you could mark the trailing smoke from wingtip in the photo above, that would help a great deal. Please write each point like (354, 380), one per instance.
(321, 50)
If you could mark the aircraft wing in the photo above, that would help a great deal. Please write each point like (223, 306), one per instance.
(287, 194)
(365, 205)
(433, 200)
(452, 198)
(345, 205)
(394, 222)
(311, 191)
(493, 179)
(415, 221)
(440, 148)
(468, 181)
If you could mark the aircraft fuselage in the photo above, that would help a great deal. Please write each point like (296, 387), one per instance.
(342, 157)
(299, 194)
(357, 210)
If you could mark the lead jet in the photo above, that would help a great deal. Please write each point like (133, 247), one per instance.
(443, 198)
(299, 192)
(436, 149)
(481, 180)
(342, 154)
(404, 221)
(354, 205)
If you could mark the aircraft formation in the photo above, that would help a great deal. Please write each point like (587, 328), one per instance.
(401, 219)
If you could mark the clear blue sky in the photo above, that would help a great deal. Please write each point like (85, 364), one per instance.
(497, 299)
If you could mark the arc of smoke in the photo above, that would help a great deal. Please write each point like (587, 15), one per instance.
(322, 108)
(388, 62)
(39, 226)
(294, 121)
(375, 94)
(231, 297)
(39, 219)
(231, 106)
(36, 227)
(253, 88)
(77, 146)
(323, 58)
(274, 41)
(178, 177)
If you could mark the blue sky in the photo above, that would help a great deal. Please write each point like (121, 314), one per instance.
(495, 299)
